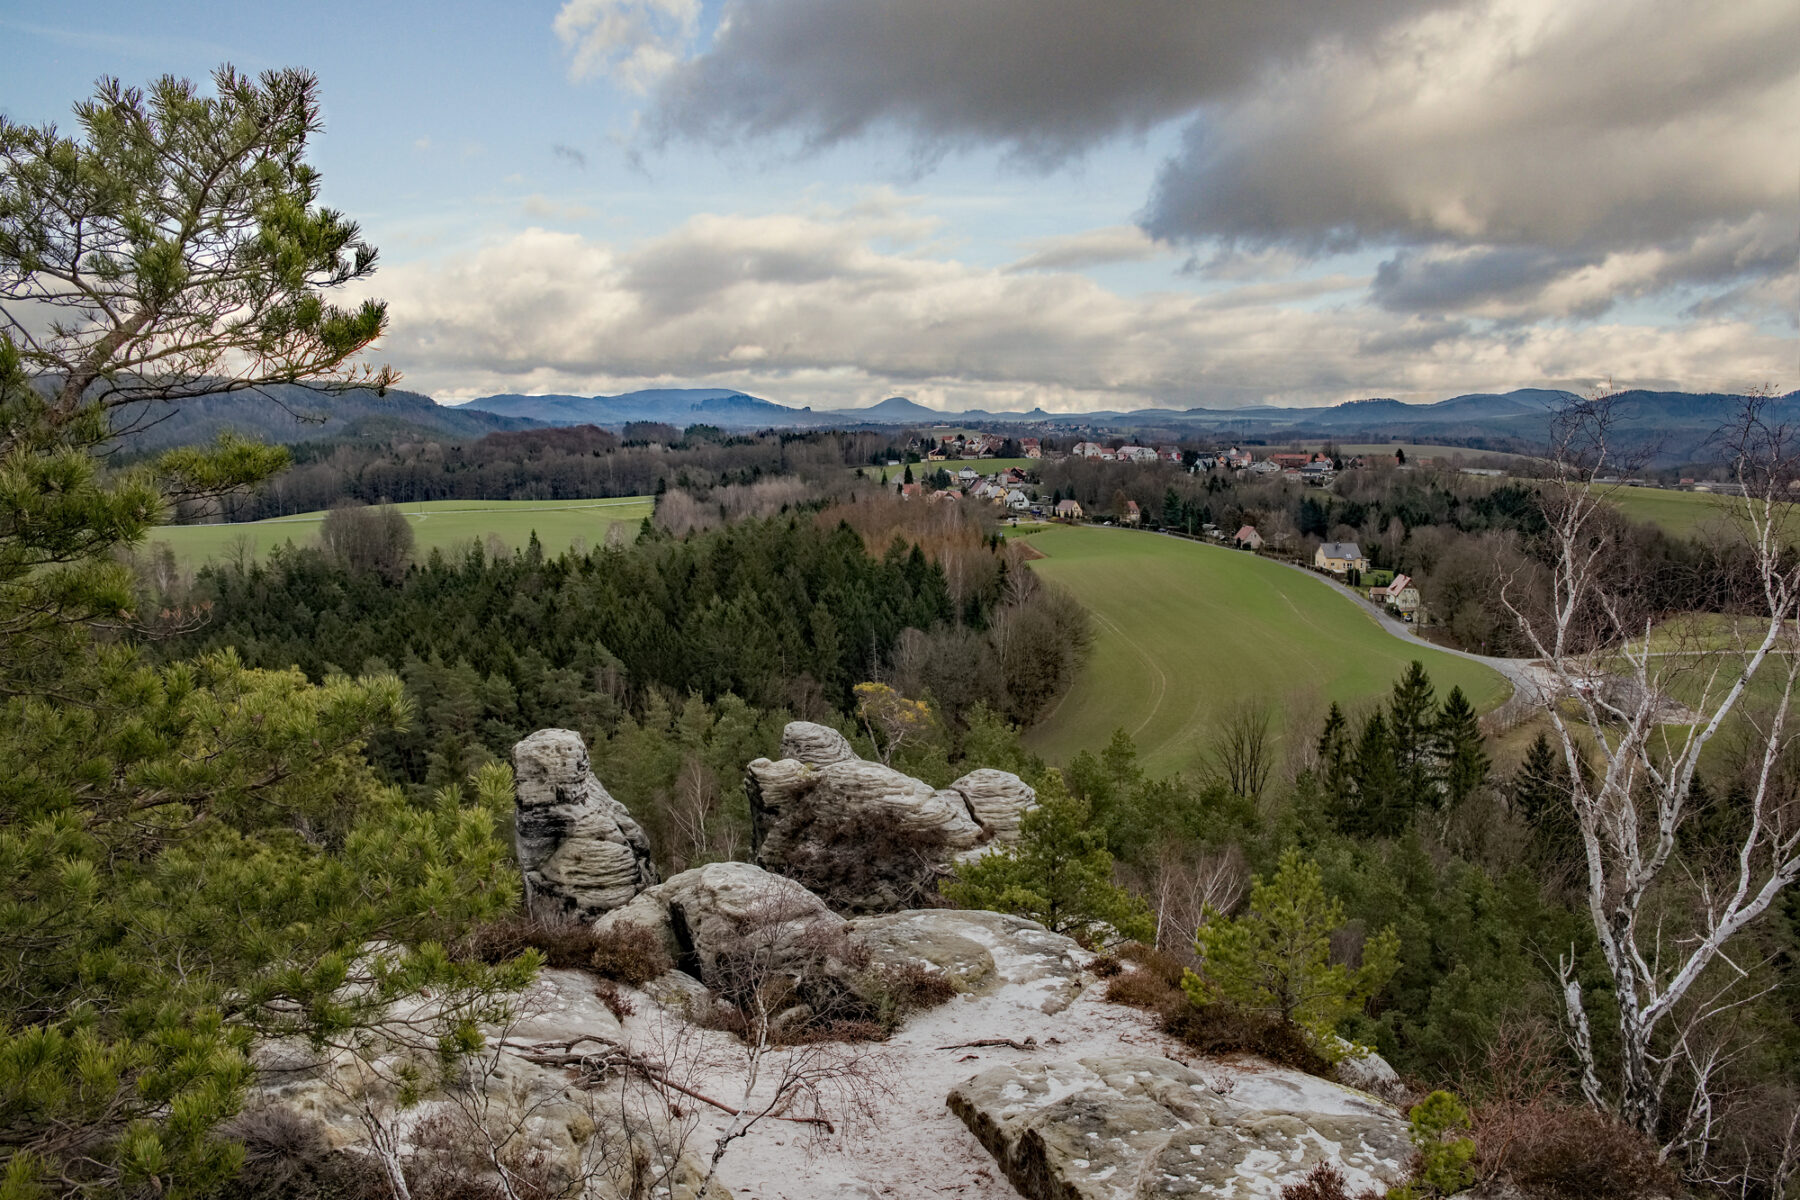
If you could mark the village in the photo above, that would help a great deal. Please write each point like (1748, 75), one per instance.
(1015, 489)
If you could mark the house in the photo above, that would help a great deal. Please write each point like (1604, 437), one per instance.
(1132, 515)
(946, 494)
(1016, 499)
(1135, 454)
(1237, 459)
(911, 491)
(1405, 601)
(1091, 450)
(967, 475)
(1032, 447)
(1339, 557)
(1264, 467)
(1068, 510)
(1319, 471)
(1170, 454)
(1392, 587)
(1248, 538)
(1290, 461)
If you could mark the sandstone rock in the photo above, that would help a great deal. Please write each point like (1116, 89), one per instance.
(997, 800)
(706, 912)
(1131, 1127)
(579, 850)
(804, 806)
(1370, 1073)
(815, 745)
(982, 952)
(575, 1138)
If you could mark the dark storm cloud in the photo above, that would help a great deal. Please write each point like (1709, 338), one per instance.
(570, 155)
(1044, 78)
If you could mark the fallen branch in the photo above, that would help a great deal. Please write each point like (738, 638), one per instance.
(563, 1054)
(1030, 1043)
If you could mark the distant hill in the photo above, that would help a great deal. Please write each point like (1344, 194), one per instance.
(1679, 423)
(676, 406)
(290, 413)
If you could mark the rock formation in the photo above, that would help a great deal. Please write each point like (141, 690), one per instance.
(579, 849)
(804, 805)
(704, 915)
(1132, 1126)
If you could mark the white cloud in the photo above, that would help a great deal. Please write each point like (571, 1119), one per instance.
(636, 42)
(805, 309)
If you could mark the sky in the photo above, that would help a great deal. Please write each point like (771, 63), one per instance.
(1072, 204)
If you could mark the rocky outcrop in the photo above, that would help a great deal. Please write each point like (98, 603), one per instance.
(810, 806)
(1132, 1127)
(579, 849)
(501, 1104)
(982, 952)
(705, 915)
(997, 800)
(815, 745)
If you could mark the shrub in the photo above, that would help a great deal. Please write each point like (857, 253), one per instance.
(847, 858)
(1443, 1163)
(629, 953)
(616, 1001)
(563, 941)
(1569, 1153)
(1325, 1182)
(1153, 984)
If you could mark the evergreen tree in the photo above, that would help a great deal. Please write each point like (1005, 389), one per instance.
(1412, 725)
(1060, 873)
(1335, 775)
(1540, 794)
(195, 855)
(1376, 807)
(1462, 756)
(1276, 958)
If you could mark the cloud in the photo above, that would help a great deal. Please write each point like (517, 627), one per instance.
(1045, 78)
(1090, 248)
(1512, 159)
(541, 207)
(1515, 149)
(570, 155)
(844, 307)
(635, 42)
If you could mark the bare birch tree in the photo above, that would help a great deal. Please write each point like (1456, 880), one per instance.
(1644, 697)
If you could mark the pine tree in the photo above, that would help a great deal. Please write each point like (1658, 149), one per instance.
(1540, 794)
(1060, 873)
(1334, 757)
(1462, 758)
(1376, 806)
(1276, 958)
(1412, 724)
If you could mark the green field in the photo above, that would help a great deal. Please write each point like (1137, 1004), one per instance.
(1418, 450)
(1184, 630)
(437, 524)
(1681, 514)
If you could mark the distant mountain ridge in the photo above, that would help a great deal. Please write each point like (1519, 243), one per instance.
(291, 414)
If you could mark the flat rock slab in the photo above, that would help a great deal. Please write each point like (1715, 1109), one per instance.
(1139, 1126)
(984, 952)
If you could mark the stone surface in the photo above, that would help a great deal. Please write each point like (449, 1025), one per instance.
(997, 800)
(815, 745)
(705, 911)
(1137, 1126)
(983, 952)
(579, 850)
(1370, 1073)
(528, 1111)
(801, 806)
